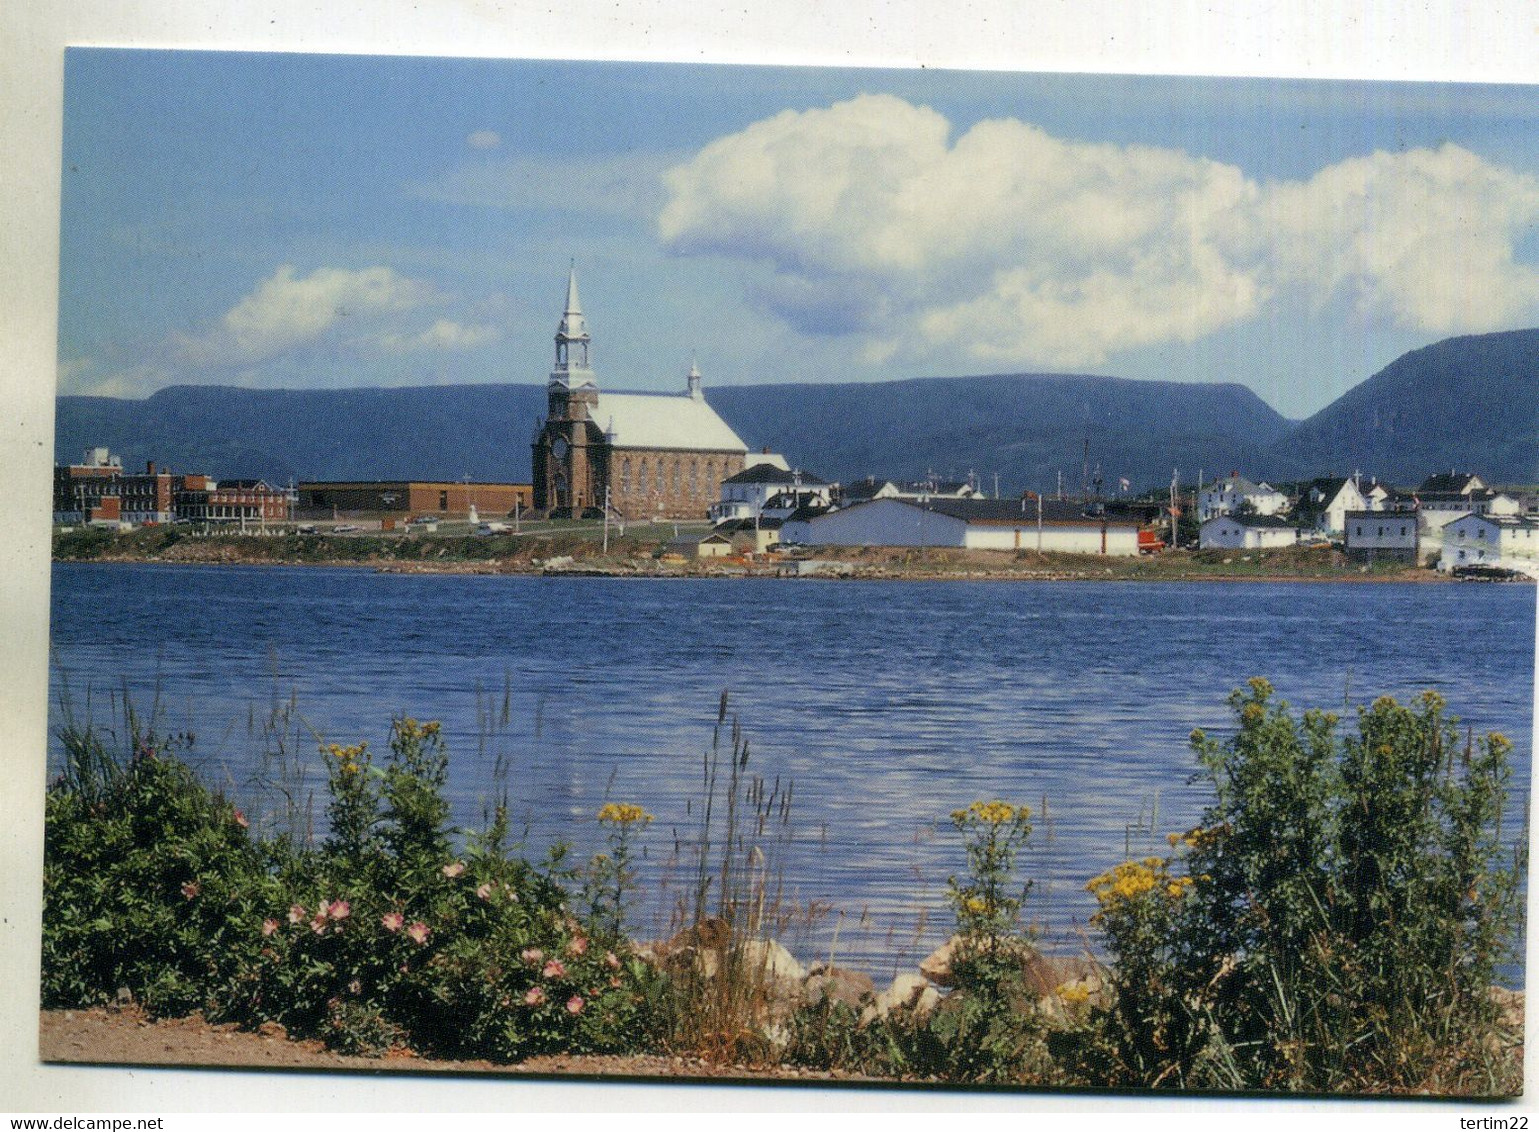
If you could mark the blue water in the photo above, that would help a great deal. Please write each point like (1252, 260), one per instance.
(887, 704)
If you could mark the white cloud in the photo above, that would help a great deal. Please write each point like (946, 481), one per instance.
(1010, 245)
(627, 185)
(444, 334)
(287, 310)
(484, 139)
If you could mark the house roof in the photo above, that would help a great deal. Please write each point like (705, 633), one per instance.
(664, 420)
(769, 473)
(1456, 482)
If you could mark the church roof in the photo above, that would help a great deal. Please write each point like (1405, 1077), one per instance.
(663, 420)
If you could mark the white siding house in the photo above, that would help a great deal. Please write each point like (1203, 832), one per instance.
(1390, 536)
(1323, 505)
(1490, 540)
(1246, 532)
(1228, 495)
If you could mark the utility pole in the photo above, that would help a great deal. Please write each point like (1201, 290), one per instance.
(606, 518)
(996, 485)
(1175, 511)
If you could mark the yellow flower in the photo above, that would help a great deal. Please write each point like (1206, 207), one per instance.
(991, 813)
(623, 814)
(1261, 686)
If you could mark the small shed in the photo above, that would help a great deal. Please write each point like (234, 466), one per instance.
(711, 545)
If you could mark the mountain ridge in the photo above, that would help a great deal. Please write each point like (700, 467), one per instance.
(1027, 428)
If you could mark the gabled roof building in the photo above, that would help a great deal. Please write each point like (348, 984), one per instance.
(644, 455)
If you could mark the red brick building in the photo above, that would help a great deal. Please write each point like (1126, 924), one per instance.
(319, 500)
(99, 491)
(648, 454)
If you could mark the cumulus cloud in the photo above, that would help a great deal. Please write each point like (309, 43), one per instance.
(484, 139)
(288, 310)
(1009, 244)
(444, 334)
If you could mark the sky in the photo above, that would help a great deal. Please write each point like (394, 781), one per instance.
(304, 221)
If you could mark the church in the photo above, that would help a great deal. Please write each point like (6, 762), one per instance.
(650, 455)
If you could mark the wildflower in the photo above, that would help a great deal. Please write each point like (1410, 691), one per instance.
(419, 932)
(553, 969)
(191, 889)
(355, 987)
(623, 814)
(611, 960)
(990, 813)
(534, 996)
(296, 913)
(574, 1005)
(532, 955)
(318, 925)
(340, 910)
(392, 921)
(508, 888)
(269, 926)
(484, 891)
(240, 820)
(614, 982)
(1074, 993)
(577, 946)
(1261, 686)
(455, 869)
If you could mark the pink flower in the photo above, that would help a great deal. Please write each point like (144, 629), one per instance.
(419, 932)
(508, 888)
(484, 891)
(240, 820)
(296, 913)
(392, 921)
(324, 909)
(269, 926)
(454, 870)
(611, 960)
(318, 925)
(531, 955)
(574, 1005)
(577, 946)
(340, 910)
(534, 996)
(191, 888)
(614, 981)
(554, 969)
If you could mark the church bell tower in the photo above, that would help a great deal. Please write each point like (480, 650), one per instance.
(567, 474)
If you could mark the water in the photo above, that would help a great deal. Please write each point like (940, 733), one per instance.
(888, 704)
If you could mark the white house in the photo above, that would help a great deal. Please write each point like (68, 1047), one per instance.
(1323, 505)
(1246, 532)
(745, 495)
(1230, 494)
(1381, 536)
(1490, 540)
(980, 524)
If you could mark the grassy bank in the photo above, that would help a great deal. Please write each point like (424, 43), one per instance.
(1334, 924)
(640, 552)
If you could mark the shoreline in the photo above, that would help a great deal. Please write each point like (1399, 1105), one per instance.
(840, 570)
(577, 553)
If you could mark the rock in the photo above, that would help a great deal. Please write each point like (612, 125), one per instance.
(925, 1004)
(1509, 1005)
(936, 967)
(834, 984)
(772, 959)
(1047, 974)
(903, 993)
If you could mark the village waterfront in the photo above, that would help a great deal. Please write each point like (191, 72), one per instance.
(888, 706)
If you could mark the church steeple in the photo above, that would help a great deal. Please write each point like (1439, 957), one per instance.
(572, 339)
(694, 380)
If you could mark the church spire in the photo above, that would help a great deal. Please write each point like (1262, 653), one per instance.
(572, 339)
(694, 380)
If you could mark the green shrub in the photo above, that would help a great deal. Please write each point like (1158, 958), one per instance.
(1340, 915)
(150, 883)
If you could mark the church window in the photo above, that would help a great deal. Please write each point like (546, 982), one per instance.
(694, 477)
(658, 473)
(641, 476)
(675, 475)
(625, 475)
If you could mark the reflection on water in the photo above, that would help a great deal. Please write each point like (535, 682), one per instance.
(888, 704)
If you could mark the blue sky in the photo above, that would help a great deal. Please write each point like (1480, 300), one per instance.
(304, 221)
